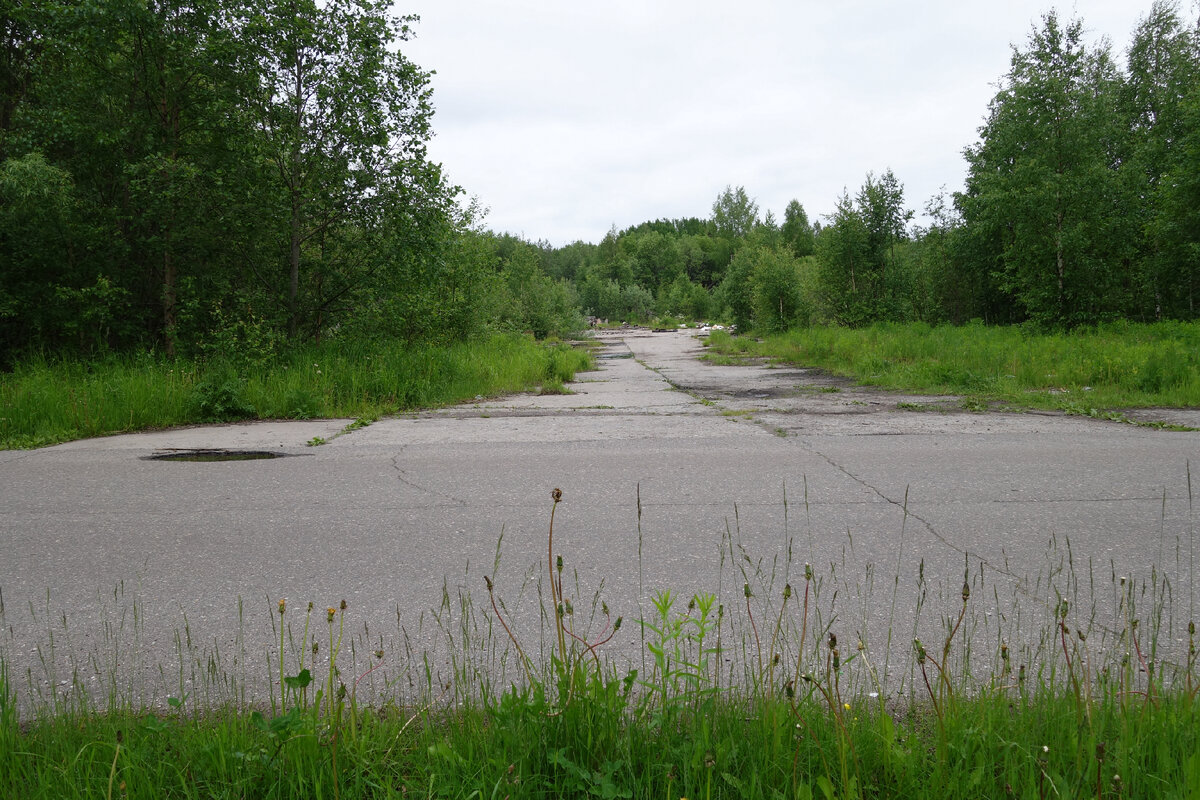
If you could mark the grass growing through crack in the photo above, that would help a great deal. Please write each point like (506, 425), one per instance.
(1063, 684)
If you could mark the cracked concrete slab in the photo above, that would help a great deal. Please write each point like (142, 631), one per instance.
(677, 474)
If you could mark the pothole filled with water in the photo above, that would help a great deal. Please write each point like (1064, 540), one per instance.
(215, 455)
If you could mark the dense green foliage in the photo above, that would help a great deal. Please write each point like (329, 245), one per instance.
(183, 177)
(1092, 371)
(1080, 207)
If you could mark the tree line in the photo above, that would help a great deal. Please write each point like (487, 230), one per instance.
(191, 177)
(205, 177)
(1081, 205)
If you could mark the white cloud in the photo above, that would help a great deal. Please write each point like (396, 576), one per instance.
(565, 118)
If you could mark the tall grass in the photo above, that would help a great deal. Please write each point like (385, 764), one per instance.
(1121, 365)
(44, 401)
(1061, 684)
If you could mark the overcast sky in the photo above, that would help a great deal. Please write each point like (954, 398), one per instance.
(564, 118)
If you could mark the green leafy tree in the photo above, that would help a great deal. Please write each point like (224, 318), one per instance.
(796, 232)
(736, 291)
(682, 298)
(344, 118)
(849, 278)
(1162, 74)
(734, 214)
(881, 205)
(779, 303)
(534, 302)
(21, 46)
(1175, 226)
(657, 261)
(1042, 180)
(705, 258)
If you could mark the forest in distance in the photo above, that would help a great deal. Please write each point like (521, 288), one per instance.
(204, 178)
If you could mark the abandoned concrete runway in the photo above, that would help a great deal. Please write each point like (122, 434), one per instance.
(734, 467)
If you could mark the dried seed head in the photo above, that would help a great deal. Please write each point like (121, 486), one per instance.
(966, 592)
(1062, 609)
(310, 606)
(1082, 636)
(1021, 674)
(1004, 651)
(692, 604)
(604, 607)
(920, 651)
(315, 647)
(558, 563)
(1192, 628)
(837, 660)
(832, 640)
(343, 605)
(617, 624)
(775, 659)
(556, 495)
(787, 591)
(789, 689)
(746, 591)
(379, 654)
(1100, 748)
(487, 582)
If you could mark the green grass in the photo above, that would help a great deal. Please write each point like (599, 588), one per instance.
(43, 401)
(1118, 366)
(765, 690)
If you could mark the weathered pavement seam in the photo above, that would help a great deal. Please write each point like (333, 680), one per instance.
(402, 476)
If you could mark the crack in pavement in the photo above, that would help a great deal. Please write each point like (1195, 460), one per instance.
(402, 476)
(1020, 583)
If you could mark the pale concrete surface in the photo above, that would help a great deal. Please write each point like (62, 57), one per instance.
(748, 462)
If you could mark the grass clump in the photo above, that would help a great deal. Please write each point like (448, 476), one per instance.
(763, 689)
(45, 401)
(1113, 366)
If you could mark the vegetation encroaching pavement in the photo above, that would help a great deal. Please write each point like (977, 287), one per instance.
(767, 689)
(47, 401)
(1090, 371)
